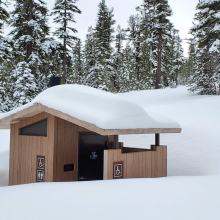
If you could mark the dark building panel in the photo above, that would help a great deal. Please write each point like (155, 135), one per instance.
(36, 129)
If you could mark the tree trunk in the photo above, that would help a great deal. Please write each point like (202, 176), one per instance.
(30, 31)
(64, 61)
(64, 51)
(158, 75)
(138, 60)
(177, 73)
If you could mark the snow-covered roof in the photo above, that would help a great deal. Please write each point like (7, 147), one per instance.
(93, 108)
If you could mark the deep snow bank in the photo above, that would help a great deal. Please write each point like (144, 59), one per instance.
(182, 198)
(103, 109)
(196, 150)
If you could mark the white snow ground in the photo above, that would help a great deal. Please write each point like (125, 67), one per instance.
(195, 154)
(172, 198)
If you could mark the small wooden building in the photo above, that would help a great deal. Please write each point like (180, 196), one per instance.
(70, 133)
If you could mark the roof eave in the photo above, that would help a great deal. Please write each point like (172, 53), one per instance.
(38, 108)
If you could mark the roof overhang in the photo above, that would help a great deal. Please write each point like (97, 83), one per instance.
(39, 108)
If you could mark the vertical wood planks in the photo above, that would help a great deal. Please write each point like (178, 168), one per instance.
(24, 150)
(66, 149)
(148, 164)
(60, 147)
(144, 164)
(164, 172)
(105, 165)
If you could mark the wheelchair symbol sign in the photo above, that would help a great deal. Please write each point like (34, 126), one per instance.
(40, 177)
(118, 170)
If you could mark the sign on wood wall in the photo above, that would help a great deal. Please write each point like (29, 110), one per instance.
(40, 168)
(118, 170)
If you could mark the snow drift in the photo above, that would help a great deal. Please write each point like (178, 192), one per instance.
(103, 109)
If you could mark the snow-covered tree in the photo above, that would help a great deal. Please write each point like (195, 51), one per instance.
(118, 58)
(134, 36)
(29, 23)
(77, 60)
(172, 59)
(155, 27)
(90, 55)
(23, 83)
(64, 11)
(52, 52)
(4, 14)
(127, 78)
(103, 38)
(206, 32)
(6, 59)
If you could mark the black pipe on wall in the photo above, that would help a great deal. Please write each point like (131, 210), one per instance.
(157, 139)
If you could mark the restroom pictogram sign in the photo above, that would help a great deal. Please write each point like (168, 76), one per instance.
(40, 168)
(118, 170)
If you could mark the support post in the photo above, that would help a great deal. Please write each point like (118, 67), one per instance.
(157, 139)
(116, 144)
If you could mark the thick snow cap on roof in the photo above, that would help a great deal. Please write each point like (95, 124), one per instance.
(103, 109)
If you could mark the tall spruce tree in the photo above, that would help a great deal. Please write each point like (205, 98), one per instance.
(163, 11)
(127, 77)
(64, 11)
(118, 58)
(30, 29)
(134, 36)
(90, 58)
(155, 27)
(4, 14)
(5, 58)
(206, 32)
(172, 59)
(103, 38)
(77, 60)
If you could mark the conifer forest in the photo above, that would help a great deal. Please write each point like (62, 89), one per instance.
(146, 54)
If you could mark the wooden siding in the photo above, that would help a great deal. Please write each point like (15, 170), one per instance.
(66, 149)
(24, 150)
(143, 164)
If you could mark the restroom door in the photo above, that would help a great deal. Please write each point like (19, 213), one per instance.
(90, 156)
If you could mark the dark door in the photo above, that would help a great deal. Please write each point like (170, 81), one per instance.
(91, 153)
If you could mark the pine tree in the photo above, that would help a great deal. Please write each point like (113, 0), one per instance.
(4, 14)
(155, 27)
(64, 11)
(23, 83)
(78, 66)
(29, 23)
(5, 43)
(163, 11)
(103, 38)
(172, 59)
(206, 32)
(90, 58)
(52, 52)
(189, 65)
(134, 36)
(118, 58)
(127, 78)
(6, 46)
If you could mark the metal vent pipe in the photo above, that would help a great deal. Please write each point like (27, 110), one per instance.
(55, 81)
